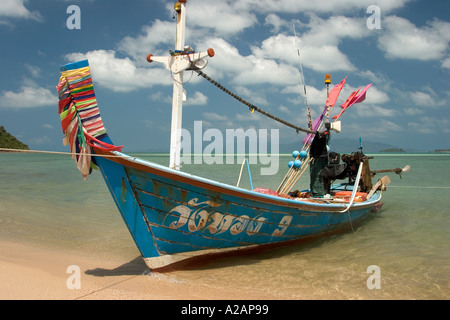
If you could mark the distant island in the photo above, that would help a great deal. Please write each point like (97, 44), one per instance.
(442, 150)
(393, 150)
(8, 141)
(347, 145)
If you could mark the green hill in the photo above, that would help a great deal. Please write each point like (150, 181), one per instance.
(8, 141)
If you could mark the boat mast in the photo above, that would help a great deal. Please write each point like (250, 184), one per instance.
(177, 100)
(182, 59)
(328, 82)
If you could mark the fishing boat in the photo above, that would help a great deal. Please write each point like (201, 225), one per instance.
(176, 218)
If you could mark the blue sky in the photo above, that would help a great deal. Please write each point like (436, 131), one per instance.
(407, 60)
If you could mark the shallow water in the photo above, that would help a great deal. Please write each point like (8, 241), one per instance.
(45, 201)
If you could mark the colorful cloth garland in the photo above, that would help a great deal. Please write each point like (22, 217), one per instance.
(81, 122)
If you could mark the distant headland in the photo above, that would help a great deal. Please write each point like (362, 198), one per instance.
(8, 141)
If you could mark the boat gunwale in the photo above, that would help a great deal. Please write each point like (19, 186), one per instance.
(183, 177)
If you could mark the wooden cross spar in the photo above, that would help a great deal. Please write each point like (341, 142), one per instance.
(396, 170)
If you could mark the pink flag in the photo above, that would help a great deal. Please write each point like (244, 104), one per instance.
(347, 103)
(352, 99)
(334, 93)
(362, 96)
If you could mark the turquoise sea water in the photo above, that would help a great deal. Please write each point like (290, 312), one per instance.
(44, 201)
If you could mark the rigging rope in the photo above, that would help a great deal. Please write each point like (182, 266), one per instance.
(251, 106)
(65, 153)
(302, 78)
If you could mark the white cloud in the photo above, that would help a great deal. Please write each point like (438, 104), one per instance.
(275, 61)
(413, 111)
(319, 6)
(373, 77)
(148, 123)
(227, 58)
(430, 125)
(367, 110)
(381, 130)
(152, 37)
(272, 61)
(315, 96)
(17, 9)
(40, 140)
(282, 47)
(425, 98)
(401, 39)
(388, 126)
(27, 97)
(161, 97)
(334, 29)
(265, 71)
(120, 75)
(247, 70)
(198, 99)
(35, 71)
(318, 44)
(284, 109)
(214, 116)
(276, 22)
(223, 16)
(446, 63)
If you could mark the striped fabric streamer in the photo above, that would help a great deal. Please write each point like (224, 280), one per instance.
(81, 122)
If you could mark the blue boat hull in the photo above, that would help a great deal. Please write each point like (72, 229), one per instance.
(175, 217)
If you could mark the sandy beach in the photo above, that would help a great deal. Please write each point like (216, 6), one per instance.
(36, 273)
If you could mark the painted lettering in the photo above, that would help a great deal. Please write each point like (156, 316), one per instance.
(202, 216)
(284, 223)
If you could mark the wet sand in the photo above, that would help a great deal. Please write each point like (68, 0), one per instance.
(36, 273)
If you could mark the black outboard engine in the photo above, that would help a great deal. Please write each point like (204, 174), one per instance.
(352, 161)
(335, 170)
